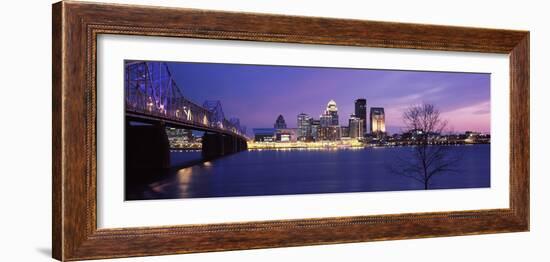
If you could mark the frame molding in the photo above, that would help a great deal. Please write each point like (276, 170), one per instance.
(75, 27)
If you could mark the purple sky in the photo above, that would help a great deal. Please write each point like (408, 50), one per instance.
(258, 94)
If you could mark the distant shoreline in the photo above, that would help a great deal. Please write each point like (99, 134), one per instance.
(354, 147)
(321, 147)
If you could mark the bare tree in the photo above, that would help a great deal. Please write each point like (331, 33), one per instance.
(427, 158)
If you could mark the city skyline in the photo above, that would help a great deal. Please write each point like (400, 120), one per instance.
(463, 98)
(313, 137)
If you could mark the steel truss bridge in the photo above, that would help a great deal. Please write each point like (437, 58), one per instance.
(152, 93)
(152, 96)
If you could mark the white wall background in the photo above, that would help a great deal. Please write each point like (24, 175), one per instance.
(25, 132)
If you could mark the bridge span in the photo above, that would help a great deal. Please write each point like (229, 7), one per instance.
(153, 101)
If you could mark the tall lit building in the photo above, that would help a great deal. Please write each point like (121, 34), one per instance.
(315, 129)
(330, 129)
(325, 120)
(356, 127)
(324, 126)
(332, 110)
(377, 120)
(304, 127)
(361, 112)
(280, 122)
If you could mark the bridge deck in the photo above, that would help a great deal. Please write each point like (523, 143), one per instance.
(148, 117)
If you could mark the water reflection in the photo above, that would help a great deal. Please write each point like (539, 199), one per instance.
(280, 172)
(185, 177)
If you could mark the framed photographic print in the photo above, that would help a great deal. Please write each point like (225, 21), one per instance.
(193, 131)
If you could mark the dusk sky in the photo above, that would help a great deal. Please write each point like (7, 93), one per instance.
(258, 94)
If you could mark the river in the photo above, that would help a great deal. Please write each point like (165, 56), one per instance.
(300, 171)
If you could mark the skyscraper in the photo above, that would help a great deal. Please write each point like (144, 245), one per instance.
(377, 120)
(330, 129)
(332, 110)
(304, 127)
(355, 127)
(361, 112)
(280, 122)
(315, 129)
(325, 120)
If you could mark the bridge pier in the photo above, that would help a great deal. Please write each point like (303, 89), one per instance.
(212, 145)
(147, 146)
(217, 145)
(228, 146)
(243, 145)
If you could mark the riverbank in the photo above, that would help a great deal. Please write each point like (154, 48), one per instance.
(341, 145)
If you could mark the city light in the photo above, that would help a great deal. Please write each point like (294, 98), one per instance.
(327, 133)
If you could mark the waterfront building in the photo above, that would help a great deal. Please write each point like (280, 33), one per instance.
(179, 133)
(315, 129)
(477, 138)
(325, 120)
(264, 134)
(324, 126)
(330, 129)
(330, 133)
(178, 138)
(356, 127)
(280, 122)
(332, 111)
(377, 121)
(345, 131)
(412, 135)
(286, 135)
(361, 113)
(304, 127)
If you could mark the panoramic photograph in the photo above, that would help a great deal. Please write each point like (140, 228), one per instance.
(201, 130)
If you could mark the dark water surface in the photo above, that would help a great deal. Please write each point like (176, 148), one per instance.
(281, 172)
